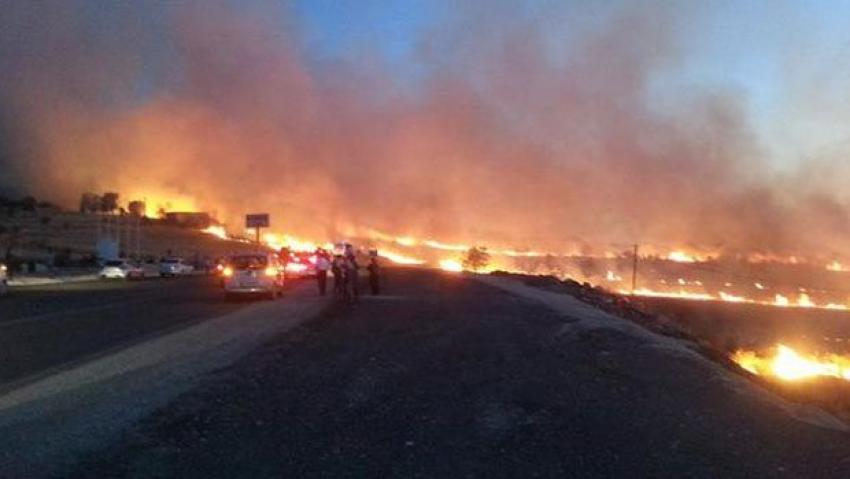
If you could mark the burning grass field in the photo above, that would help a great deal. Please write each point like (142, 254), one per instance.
(801, 353)
(732, 326)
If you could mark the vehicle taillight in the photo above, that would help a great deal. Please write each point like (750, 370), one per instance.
(313, 259)
(219, 267)
(227, 271)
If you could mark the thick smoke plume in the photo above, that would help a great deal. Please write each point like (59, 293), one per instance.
(500, 137)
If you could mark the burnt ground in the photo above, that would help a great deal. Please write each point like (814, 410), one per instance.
(756, 327)
(448, 377)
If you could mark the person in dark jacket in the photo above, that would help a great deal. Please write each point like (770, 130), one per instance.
(339, 281)
(352, 277)
(374, 276)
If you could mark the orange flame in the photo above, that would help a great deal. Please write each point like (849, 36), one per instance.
(789, 365)
(451, 265)
(217, 231)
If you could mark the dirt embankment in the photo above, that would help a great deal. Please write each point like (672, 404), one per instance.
(716, 332)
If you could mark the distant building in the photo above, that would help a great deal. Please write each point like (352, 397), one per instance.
(136, 208)
(186, 219)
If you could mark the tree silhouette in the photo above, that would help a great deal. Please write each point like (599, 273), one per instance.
(476, 258)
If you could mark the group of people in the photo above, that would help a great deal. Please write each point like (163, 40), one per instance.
(346, 273)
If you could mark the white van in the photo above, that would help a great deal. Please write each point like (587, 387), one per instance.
(258, 273)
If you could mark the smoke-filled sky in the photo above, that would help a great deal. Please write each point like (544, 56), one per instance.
(540, 124)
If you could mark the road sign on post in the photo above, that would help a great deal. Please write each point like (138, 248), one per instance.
(257, 221)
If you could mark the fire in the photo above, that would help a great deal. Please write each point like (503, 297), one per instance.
(518, 254)
(681, 257)
(217, 231)
(836, 267)
(789, 365)
(803, 300)
(445, 246)
(279, 241)
(733, 298)
(406, 241)
(781, 300)
(613, 277)
(451, 265)
(671, 294)
(155, 202)
(400, 258)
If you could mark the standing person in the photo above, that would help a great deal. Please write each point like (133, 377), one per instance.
(323, 264)
(374, 276)
(353, 278)
(339, 281)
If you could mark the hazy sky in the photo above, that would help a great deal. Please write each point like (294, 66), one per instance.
(788, 60)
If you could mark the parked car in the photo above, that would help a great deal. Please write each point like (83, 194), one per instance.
(301, 265)
(174, 267)
(253, 274)
(120, 269)
(4, 280)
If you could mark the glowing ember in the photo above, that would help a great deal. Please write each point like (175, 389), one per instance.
(217, 231)
(789, 365)
(451, 265)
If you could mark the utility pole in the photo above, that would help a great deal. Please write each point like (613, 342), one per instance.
(138, 238)
(634, 269)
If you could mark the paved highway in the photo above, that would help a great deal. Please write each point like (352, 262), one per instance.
(443, 376)
(448, 377)
(46, 328)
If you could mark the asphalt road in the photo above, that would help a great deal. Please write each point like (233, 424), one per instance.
(448, 377)
(47, 328)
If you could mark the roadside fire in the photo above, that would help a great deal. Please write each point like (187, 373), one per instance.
(216, 230)
(400, 258)
(681, 257)
(786, 364)
(803, 300)
(451, 265)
